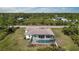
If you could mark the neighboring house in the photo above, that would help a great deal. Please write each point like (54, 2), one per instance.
(73, 21)
(20, 18)
(40, 36)
(60, 18)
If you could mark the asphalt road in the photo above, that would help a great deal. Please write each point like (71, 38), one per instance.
(40, 26)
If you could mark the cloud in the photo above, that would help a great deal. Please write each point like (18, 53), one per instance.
(40, 9)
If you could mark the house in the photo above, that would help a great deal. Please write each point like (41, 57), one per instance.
(20, 18)
(60, 18)
(40, 36)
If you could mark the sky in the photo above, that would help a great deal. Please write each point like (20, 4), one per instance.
(39, 6)
(39, 3)
(39, 9)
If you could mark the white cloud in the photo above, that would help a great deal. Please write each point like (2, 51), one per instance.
(39, 9)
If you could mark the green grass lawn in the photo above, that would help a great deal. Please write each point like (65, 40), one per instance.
(64, 41)
(16, 42)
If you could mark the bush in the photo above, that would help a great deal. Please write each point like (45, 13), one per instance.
(11, 29)
(2, 35)
(71, 30)
(75, 38)
(4, 32)
(68, 31)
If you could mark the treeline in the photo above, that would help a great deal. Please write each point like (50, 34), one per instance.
(36, 15)
(4, 31)
(45, 22)
(35, 18)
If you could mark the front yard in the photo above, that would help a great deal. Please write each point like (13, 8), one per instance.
(16, 42)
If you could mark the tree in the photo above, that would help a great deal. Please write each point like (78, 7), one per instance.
(72, 29)
(75, 38)
(3, 21)
(10, 21)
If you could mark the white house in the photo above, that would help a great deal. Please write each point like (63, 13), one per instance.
(20, 18)
(60, 18)
(40, 36)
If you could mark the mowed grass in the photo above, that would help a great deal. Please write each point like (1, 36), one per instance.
(16, 42)
(13, 41)
(64, 41)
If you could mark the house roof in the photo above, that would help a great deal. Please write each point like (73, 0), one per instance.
(40, 31)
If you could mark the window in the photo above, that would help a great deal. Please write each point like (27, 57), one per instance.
(49, 36)
(35, 35)
(45, 41)
(41, 36)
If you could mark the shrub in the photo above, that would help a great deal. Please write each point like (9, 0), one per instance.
(71, 30)
(2, 35)
(75, 38)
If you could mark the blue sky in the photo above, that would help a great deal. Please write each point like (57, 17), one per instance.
(40, 9)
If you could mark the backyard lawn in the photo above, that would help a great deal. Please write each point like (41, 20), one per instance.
(16, 42)
(64, 41)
